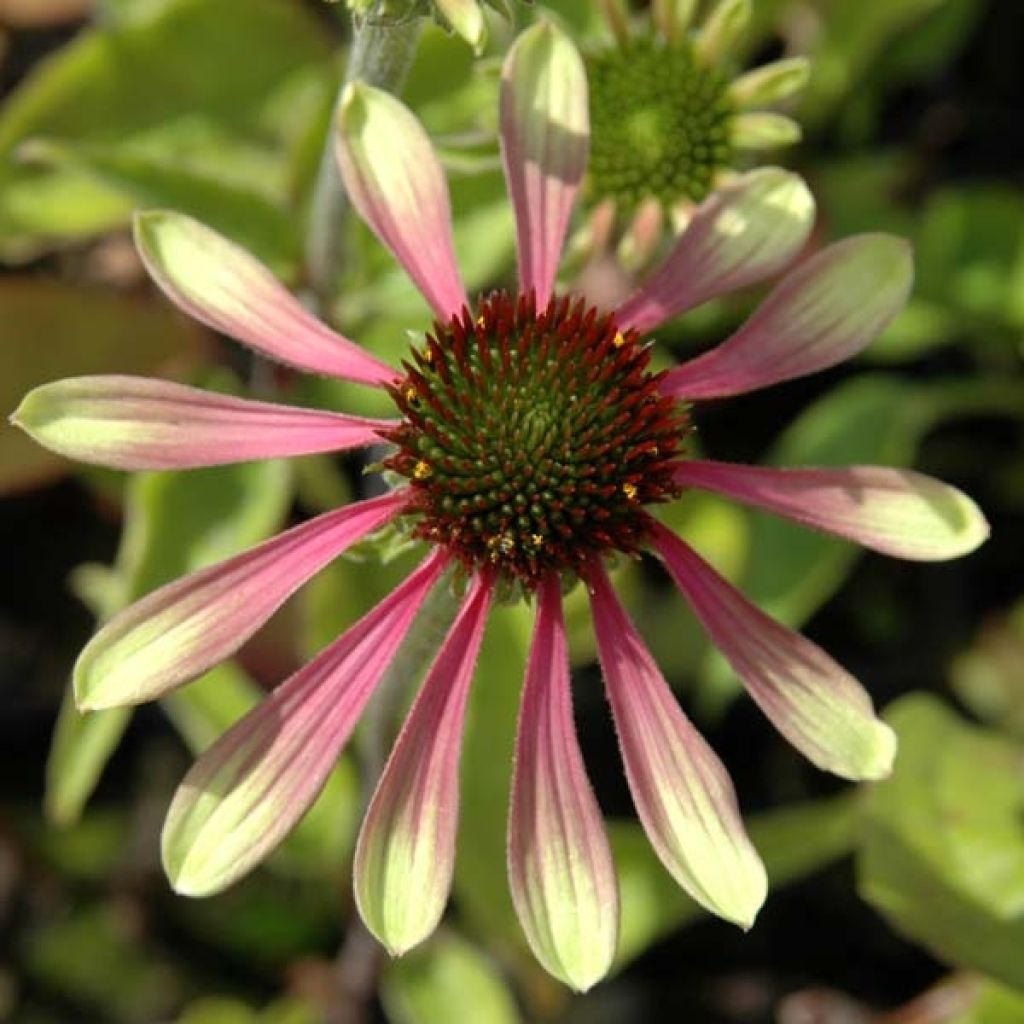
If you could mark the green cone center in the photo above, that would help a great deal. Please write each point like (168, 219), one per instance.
(532, 440)
(659, 124)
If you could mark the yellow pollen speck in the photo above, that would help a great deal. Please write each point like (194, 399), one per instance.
(629, 490)
(619, 340)
(536, 539)
(480, 321)
(422, 470)
(410, 394)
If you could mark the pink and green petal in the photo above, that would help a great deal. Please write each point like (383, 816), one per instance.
(178, 632)
(545, 133)
(817, 705)
(560, 866)
(139, 423)
(228, 289)
(406, 849)
(395, 181)
(682, 792)
(249, 790)
(822, 313)
(742, 234)
(895, 511)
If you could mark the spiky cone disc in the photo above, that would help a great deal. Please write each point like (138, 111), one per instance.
(532, 439)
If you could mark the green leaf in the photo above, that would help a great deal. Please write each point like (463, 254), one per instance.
(943, 852)
(78, 955)
(178, 103)
(446, 980)
(987, 676)
(793, 842)
(53, 326)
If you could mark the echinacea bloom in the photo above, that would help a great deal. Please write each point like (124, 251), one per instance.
(535, 442)
(669, 118)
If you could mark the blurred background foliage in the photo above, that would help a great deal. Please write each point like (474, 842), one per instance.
(897, 902)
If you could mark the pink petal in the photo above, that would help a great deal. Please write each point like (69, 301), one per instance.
(545, 133)
(559, 863)
(895, 511)
(226, 288)
(818, 706)
(822, 313)
(742, 234)
(681, 790)
(141, 423)
(395, 181)
(406, 849)
(179, 631)
(248, 791)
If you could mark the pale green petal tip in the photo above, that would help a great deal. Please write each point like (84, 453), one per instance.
(354, 99)
(764, 131)
(868, 755)
(184, 882)
(396, 938)
(744, 906)
(879, 755)
(147, 225)
(974, 529)
(27, 416)
(544, 39)
(467, 19)
(581, 976)
(580, 969)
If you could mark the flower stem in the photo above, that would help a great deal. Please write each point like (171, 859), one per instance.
(381, 56)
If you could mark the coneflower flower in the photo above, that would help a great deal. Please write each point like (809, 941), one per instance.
(535, 443)
(671, 118)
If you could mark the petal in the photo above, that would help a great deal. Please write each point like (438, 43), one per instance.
(673, 17)
(722, 30)
(179, 631)
(545, 132)
(681, 790)
(141, 423)
(226, 288)
(559, 863)
(466, 18)
(395, 181)
(771, 83)
(406, 849)
(616, 16)
(817, 705)
(764, 130)
(825, 311)
(248, 791)
(895, 511)
(740, 235)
